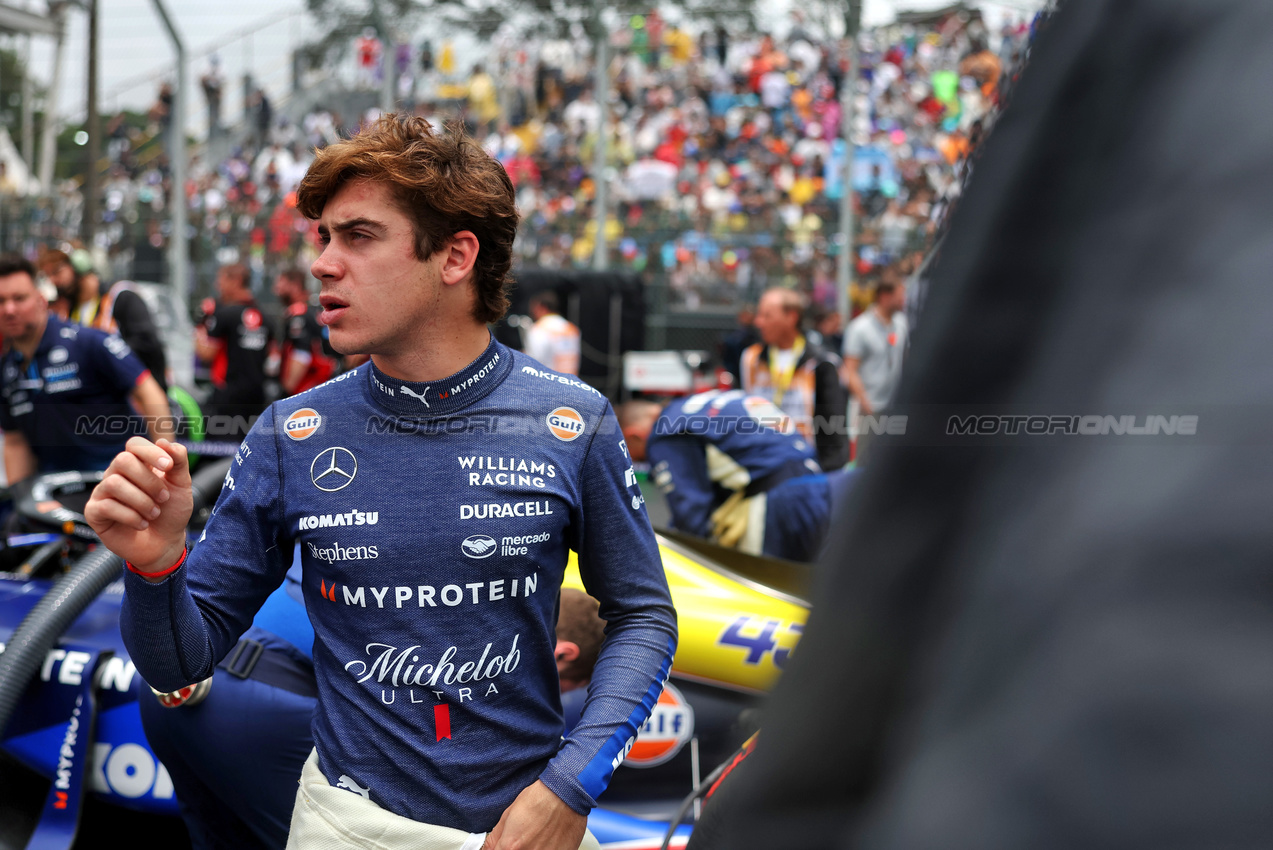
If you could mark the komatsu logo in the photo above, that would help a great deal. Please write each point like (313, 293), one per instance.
(308, 523)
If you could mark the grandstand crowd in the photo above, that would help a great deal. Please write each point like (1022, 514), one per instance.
(725, 151)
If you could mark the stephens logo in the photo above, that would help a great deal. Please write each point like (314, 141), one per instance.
(671, 724)
(479, 546)
(335, 552)
(251, 319)
(333, 469)
(302, 424)
(565, 424)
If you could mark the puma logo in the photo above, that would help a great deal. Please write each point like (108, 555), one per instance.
(350, 785)
(414, 394)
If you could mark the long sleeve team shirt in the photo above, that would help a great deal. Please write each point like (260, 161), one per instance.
(435, 522)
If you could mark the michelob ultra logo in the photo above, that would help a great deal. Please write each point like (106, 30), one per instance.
(302, 424)
(565, 423)
(670, 725)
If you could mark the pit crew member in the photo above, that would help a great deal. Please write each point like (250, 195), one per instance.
(69, 395)
(734, 469)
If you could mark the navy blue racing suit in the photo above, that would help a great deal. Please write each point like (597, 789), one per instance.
(435, 521)
(705, 447)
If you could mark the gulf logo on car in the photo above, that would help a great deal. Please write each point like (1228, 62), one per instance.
(302, 424)
(565, 423)
(671, 724)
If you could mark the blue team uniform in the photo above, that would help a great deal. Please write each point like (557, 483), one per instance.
(705, 447)
(70, 400)
(263, 705)
(435, 521)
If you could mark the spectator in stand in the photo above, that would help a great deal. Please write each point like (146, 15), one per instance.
(55, 376)
(234, 340)
(798, 376)
(213, 83)
(483, 99)
(552, 340)
(874, 348)
(738, 172)
(121, 310)
(368, 47)
(150, 262)
(306, 359)
(983, 66)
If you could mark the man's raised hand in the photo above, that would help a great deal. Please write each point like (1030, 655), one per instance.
(141, 508)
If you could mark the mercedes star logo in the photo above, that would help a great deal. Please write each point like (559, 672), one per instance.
(333, 469)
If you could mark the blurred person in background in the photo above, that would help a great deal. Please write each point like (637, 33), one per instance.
(234, 340)
(58, 379)
(552, 340)
(213, 82)
(120, 310)
(306, 358)
(874, 348)
(797, 376)
(735, 471)
(737, 341)
(828, 329)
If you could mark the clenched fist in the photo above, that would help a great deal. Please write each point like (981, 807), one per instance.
(141, 508)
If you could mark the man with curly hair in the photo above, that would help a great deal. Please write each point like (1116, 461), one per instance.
(436, 492)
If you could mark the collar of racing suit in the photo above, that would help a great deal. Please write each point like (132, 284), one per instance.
(432, 399)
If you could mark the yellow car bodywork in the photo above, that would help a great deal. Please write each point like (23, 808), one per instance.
(736, 632)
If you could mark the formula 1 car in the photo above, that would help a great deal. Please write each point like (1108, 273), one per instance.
(74, 760)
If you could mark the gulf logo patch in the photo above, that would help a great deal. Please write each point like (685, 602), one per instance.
(565, 423)
(302, 424)
(671, 724)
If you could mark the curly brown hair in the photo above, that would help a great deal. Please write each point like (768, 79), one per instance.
(443, 181)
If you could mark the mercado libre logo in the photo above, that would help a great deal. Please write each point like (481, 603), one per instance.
(302, 424)
(671, 724)
(565, 424)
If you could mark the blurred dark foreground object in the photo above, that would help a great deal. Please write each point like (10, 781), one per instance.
(1067, 643)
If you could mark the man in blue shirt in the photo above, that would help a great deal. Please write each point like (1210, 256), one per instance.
(69, 395)
(436, 492)
(734, 469)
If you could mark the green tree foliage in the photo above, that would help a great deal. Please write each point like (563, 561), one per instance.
(12, 73)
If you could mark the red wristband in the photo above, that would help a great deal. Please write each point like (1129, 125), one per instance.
(161, 573)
